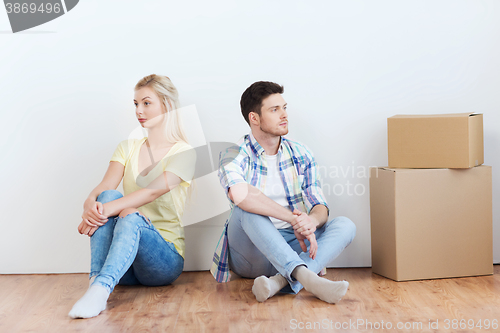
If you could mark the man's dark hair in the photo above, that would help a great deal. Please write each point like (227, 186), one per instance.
(251, 100)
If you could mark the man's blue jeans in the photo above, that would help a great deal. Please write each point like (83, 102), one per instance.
(129, 250)
(257, 248)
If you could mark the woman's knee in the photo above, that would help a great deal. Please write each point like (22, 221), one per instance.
(109, 195)
(129, 217)
(128, 211)
(128, 222)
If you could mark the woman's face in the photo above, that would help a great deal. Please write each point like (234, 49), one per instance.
(148, 107)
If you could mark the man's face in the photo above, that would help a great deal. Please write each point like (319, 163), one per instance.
(273, 115)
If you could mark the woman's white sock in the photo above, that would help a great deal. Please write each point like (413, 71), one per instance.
(91, 304)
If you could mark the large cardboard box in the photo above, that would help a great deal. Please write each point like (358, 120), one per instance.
(431, 223)
(435, 141)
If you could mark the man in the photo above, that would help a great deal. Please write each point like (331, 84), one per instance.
(278, 208)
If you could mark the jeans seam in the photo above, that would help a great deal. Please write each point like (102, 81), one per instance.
(130, 252)
(153, 228)
(172, 247)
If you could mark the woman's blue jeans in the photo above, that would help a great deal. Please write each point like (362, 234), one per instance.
(257, 248)
(129, 250)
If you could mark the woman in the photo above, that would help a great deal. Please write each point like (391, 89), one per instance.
(138, 238)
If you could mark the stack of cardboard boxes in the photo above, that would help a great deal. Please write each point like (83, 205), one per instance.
(431, 209)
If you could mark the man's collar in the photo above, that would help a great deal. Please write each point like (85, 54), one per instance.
(259, 150)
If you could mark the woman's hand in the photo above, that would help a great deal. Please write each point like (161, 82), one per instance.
(93, 214)
(85, 229)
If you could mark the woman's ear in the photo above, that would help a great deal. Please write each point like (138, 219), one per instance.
(168, 104)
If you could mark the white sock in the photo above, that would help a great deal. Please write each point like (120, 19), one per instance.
(264, 287)
(91, 304)
(91, 280)
(324, 289)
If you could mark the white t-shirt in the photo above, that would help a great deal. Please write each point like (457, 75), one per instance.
(274, 188)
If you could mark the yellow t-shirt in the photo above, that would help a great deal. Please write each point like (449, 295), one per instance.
(166, 211)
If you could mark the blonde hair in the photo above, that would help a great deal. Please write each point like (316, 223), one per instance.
(169, 96)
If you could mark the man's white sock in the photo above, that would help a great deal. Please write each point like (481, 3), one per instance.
(324, 289)
(264, 288)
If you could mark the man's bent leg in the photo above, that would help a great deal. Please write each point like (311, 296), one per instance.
(333, 237)
(257, 248)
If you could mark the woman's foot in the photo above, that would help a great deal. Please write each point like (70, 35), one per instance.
(91, 304)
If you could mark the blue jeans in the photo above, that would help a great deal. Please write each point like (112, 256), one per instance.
(257, 248)
(129, 250)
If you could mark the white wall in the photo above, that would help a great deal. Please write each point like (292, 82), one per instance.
(66, 89)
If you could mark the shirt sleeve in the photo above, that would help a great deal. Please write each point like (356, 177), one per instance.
(182, 164)
(232, 167)
(311, 185)
(120, 154)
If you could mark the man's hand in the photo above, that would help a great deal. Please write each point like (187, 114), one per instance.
(85, 229)
(304, 224)
(313, 248)
(304, 228)
(93, 214)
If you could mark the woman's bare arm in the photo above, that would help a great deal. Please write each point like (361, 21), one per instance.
(161, 185)
(92, 210)
(100, 212)
(110, 181)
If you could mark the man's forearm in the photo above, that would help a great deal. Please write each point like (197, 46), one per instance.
(252, 200)
(320, 214)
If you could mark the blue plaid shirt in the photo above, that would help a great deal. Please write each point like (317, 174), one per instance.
(244, 163)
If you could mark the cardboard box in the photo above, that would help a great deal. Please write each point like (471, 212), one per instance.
(431, 223)
(435, 141)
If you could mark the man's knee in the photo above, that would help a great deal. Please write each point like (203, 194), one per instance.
(346, 225)
(246, 217)
(109, 195)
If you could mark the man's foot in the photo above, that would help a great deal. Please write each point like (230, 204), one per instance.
(324, 289)
(91, 304)
(264, 288)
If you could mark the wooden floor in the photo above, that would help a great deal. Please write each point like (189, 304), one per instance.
(196, 303)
